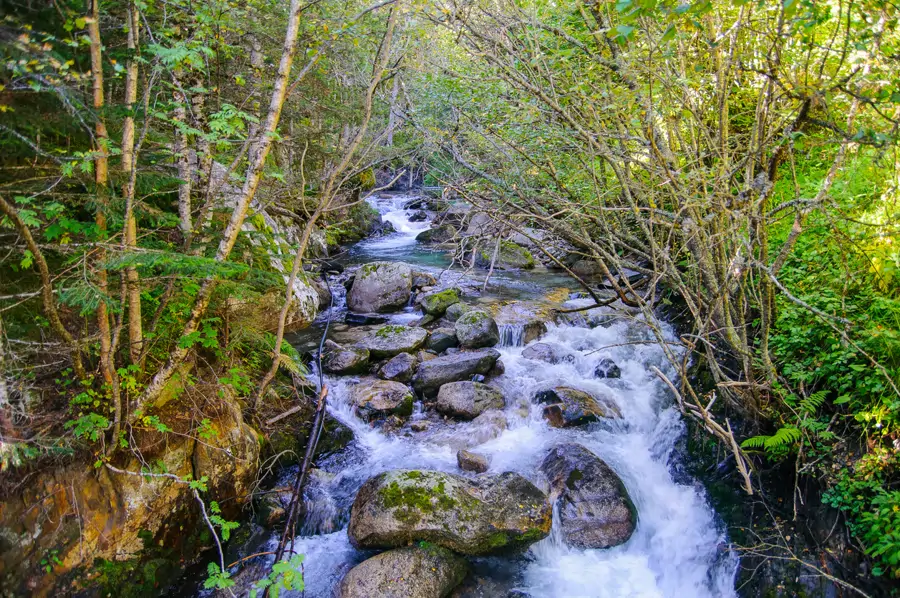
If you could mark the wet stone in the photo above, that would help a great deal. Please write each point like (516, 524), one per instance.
(607, 368)
(469, 461)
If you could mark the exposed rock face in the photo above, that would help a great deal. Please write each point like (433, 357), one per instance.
(344, 360)
(469, 461)
(442, 339)
(456, 310)
(439, 234)
(380, 287)
(432, 374)
(568, 407)
(549, 352)
(413, 572)
(436, 304)
(260, 312)
(82, 513)
(399, 368)
(381, 398)
(607, 368)
(476, 329)
(468, 400)
(388, 341)
(594, 507)
(482, 516)
(509, 257)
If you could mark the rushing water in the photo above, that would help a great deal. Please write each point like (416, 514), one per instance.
(677, 550)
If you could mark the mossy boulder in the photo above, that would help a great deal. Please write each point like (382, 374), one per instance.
(568, 407)
(423, 571)
(337, 359)
(390, 340)
(477, 329)
(435, 304)
(510, 256)
(456, 310)
(487, 515)
(380, 399)
(468, 400)
(437, 235)
(380, 287)
(595, 510)
(434, 373)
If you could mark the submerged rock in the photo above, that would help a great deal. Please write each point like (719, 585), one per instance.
(380, 287)
(477, 329)
(469, 461)
(388, 341)
(549, 352)
(436, 304)
(467, 400)
(418, 216)
(607, 368)
(442, 339)
(344, 360)
(380, 399)
(486, 515)
(594, 507)
(568, 407)
(432, 374)
(400, 368)
(425, 571)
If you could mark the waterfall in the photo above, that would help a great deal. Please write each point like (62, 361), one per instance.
(512, 335)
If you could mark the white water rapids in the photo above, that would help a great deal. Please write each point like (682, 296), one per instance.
(677, 550)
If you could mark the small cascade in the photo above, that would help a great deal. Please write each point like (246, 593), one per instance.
(512, 335)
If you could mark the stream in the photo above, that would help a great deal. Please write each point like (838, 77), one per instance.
(678, 549)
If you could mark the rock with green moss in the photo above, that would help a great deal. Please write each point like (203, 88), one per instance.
(380, 399)
(595, 510)
(435, 304)
(380, 287)
(509, 256)
(477, 329)
(568, 407)
(422, 571)
(390, 340)
(337, 359)
(434, 373)
(486, 515)
(468, 400)
(455, 311)
(437, 235)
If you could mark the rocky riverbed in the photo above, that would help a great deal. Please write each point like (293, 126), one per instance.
(499, 448)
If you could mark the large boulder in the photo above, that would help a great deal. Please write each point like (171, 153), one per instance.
(380, 287)
(439, 234)
(399, 368)
(390, 340)
(567, 407)
(432, 374)
(550, 352)
(344, 360)
(427, 571)
(476, 329)
(486, 515)
(509, 256)
(381, 398)
(594, 507)
(468, 400)
(435, 304)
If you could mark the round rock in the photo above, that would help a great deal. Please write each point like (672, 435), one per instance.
(427, 571)
(380, 287)
(476, 329)
(468, 400)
